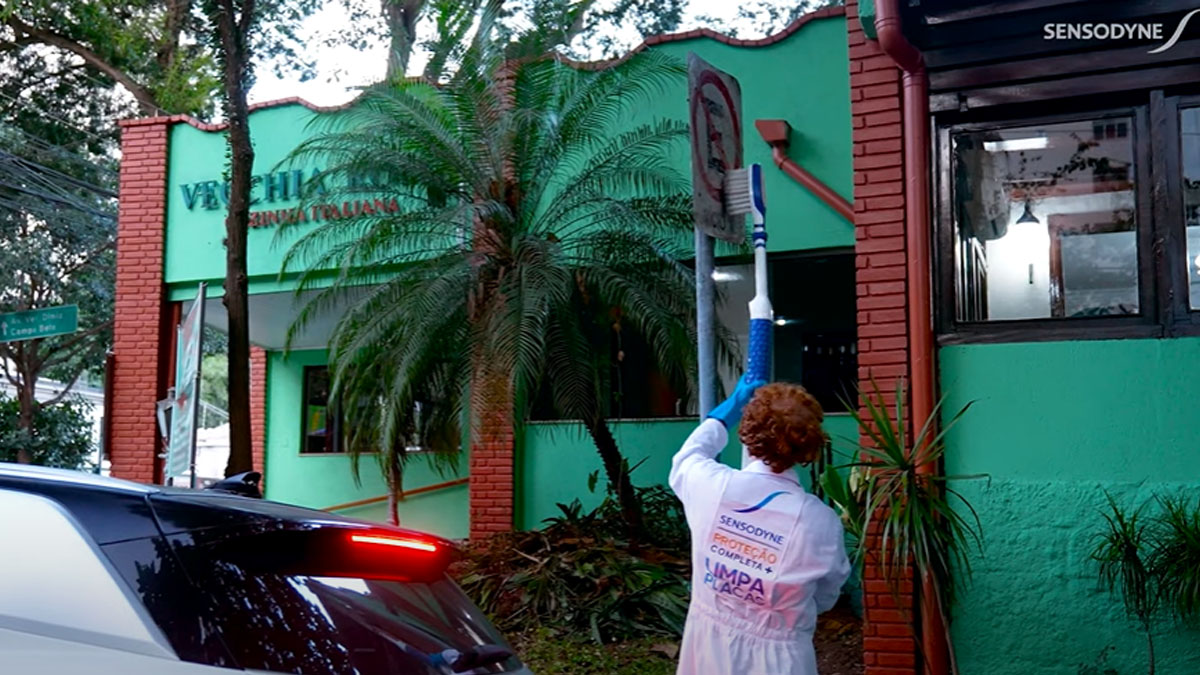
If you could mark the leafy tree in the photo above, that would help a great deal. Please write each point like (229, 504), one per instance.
(147, 47)
(170, 56)
(61, 436)
(55, 249)
(528, 223)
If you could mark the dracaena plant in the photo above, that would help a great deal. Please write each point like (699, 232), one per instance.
(924, 526)
(1152, 561)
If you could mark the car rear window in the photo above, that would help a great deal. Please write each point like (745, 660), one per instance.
(296, 620)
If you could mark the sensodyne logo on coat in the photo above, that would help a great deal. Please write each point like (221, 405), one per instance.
(746, 541)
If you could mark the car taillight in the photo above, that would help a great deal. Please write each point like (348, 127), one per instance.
(397, 542)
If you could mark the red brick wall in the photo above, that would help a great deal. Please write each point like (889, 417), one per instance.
(888, 645)
(491, 465)
(258, 409)
(141, 331)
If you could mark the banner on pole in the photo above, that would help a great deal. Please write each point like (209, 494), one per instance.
(181, 448)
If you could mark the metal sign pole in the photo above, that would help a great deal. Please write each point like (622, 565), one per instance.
(196, 399)
(714, 108)
(706, 333)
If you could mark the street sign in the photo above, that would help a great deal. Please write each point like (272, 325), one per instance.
(181, 446)
(715, 106)
(39, 323)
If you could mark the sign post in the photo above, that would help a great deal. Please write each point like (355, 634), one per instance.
(39, 323)
(715, 113)
(181, 446)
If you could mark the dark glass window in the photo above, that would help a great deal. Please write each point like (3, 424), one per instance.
(1189, 130)
(813, 295)
(218, 611)
(320, 427)
(1045, 222)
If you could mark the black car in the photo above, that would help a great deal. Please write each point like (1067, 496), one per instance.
(124, 577)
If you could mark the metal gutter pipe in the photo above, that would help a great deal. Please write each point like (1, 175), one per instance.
(934, 644)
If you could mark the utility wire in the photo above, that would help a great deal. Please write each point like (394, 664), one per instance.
(30, 106)
(40, 144)
(38, 168)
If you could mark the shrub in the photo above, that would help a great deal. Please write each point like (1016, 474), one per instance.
(580, 575)
(61, 435)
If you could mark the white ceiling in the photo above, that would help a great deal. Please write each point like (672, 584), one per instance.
(271, 314)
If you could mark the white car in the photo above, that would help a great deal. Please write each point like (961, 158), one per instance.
(104, 576)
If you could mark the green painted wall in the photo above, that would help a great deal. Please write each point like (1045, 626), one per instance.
(194, 251)
(557, 457)
(1055, 424)
(804, 80)
(319, 481)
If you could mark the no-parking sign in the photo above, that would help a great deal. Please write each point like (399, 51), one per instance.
(715, 105)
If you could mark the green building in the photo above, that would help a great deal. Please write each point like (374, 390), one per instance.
(1023, 236)
(811, 245)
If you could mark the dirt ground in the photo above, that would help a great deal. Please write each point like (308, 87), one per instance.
(838, 642)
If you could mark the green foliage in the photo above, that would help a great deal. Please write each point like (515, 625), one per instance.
(547, 652)
(908, 493)
(1152, 562)
(61, 436)
(148, 46)
(1122, 560)
(214, 380)
(902, 486)
(579, 576)
(1175, 558)
(527, 223)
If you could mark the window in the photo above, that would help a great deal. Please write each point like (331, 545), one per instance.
(813, 295)
(1189, 131)
(321, 429)
(1045, 221)
(218, 610)
(1084, 225)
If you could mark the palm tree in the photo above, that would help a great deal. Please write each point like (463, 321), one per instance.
(528, 230)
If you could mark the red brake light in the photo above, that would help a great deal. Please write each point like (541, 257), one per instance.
(399, 542)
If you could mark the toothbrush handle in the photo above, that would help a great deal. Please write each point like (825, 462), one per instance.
(758, 364)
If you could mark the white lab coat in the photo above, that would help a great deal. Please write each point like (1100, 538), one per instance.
(767, 557)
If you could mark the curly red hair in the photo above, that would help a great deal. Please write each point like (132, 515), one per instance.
(782, 426)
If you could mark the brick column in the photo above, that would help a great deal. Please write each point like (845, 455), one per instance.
(258, 409)
(491, 463)
(141, 329)
(888, 644)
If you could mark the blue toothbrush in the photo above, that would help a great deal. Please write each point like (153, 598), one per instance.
(744, 194)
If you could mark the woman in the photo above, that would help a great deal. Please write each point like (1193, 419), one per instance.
(767, 557)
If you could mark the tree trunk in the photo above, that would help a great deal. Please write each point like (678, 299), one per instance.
(393, 506)
(28, 405)
(234, 42)
(618, 477)
(401, 17)
(1149, 645)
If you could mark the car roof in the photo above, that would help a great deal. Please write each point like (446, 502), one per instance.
(115, 510)
(69, 477)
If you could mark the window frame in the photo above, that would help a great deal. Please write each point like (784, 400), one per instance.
(1180, 319)
(333, 423)
(1147, 323)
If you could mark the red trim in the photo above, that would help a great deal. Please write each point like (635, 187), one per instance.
(935, 647)
(775, 133)
(653, 40)
(407, 493)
